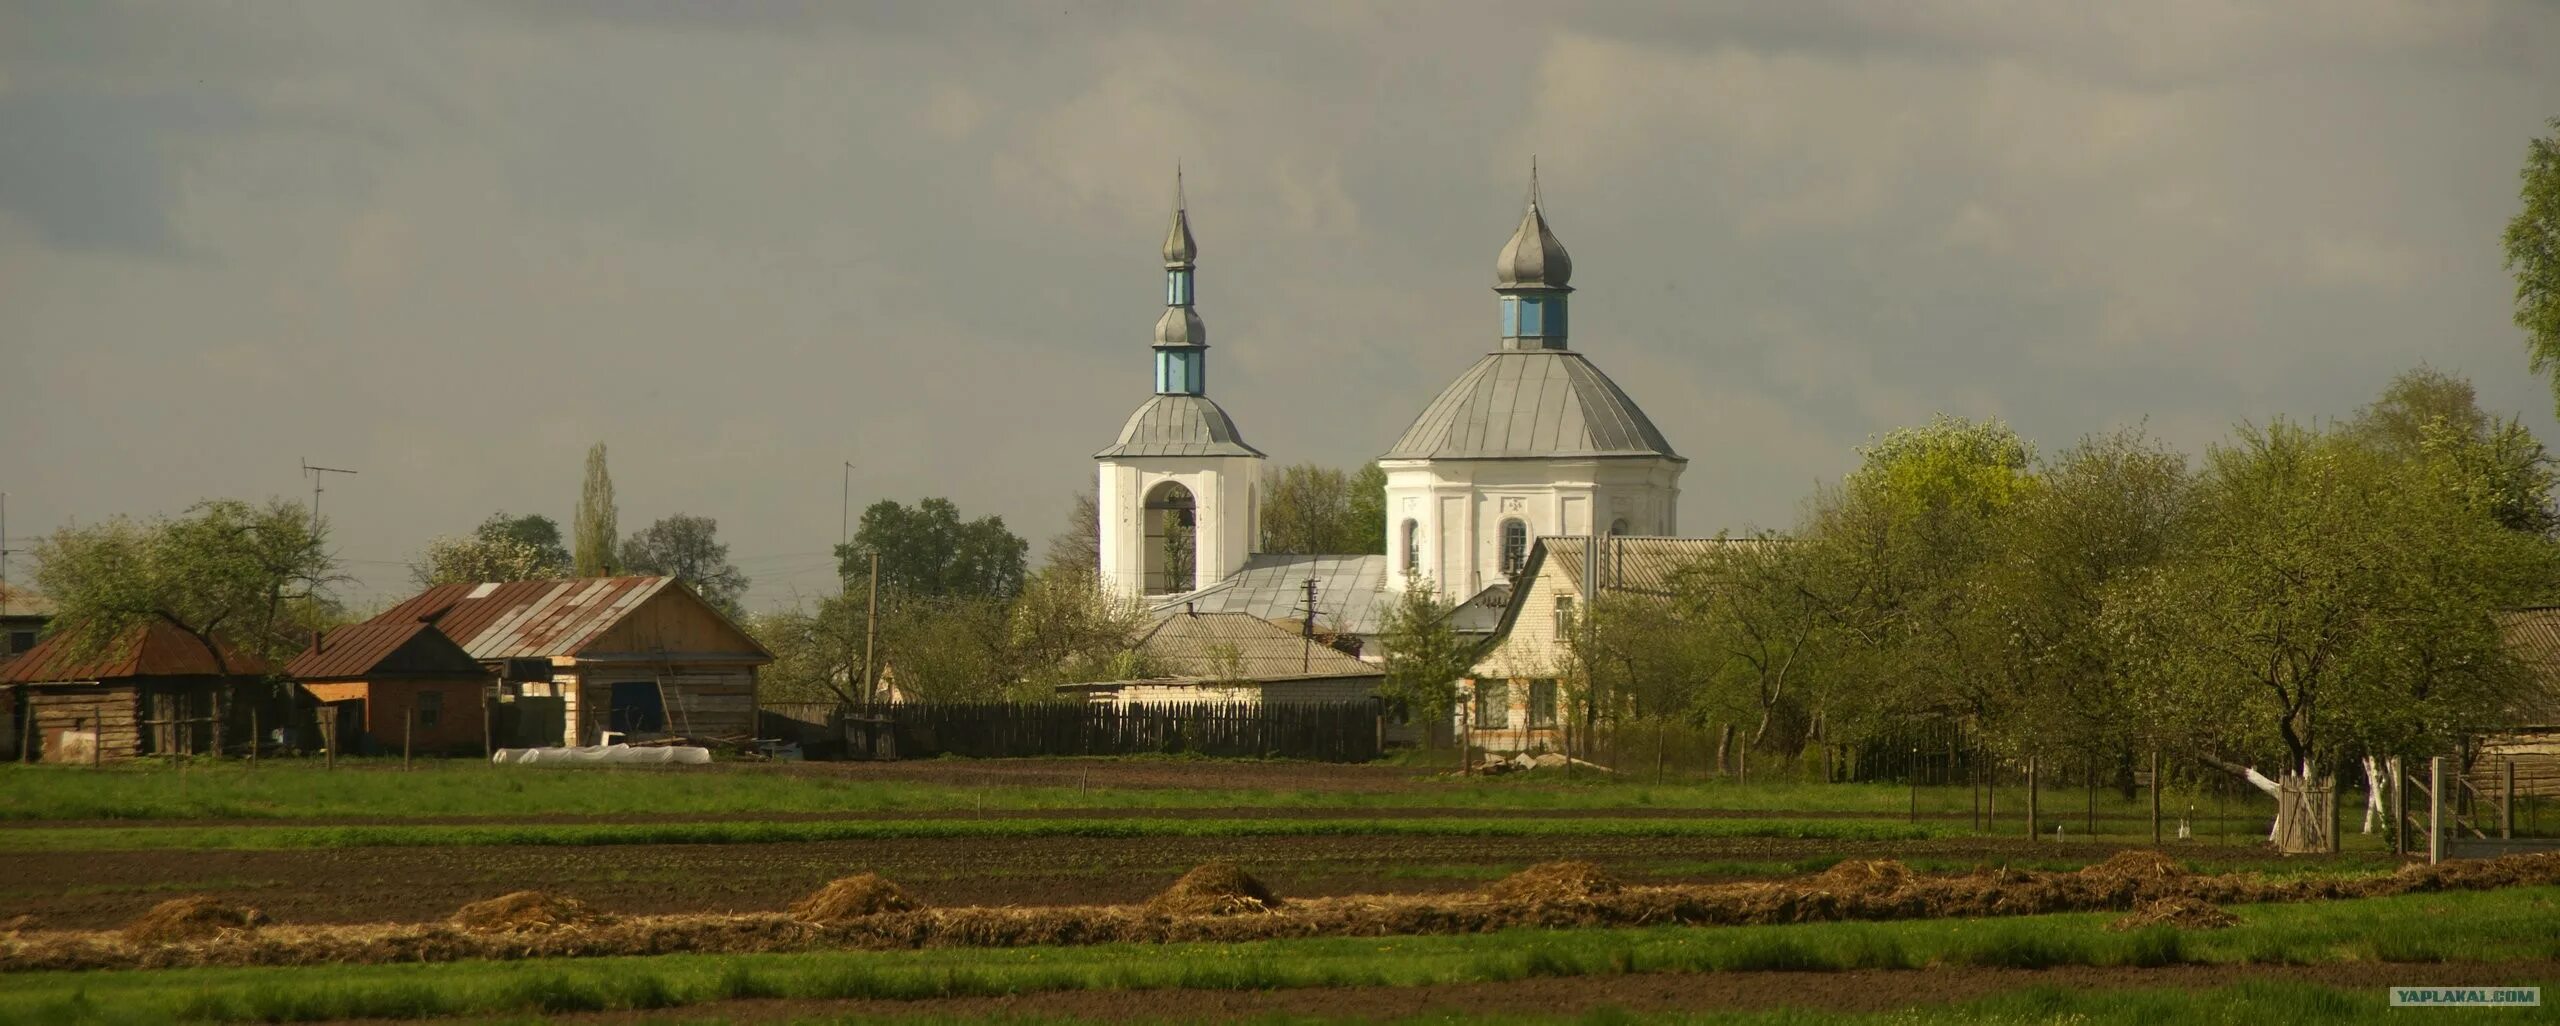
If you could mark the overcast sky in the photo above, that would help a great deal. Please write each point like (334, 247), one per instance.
(449, 245)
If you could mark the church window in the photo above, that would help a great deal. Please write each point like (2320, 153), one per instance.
(1617, 527)
(1178, 372)
(1515, 546)
(1412, 547)
(1177, 288)
(1534, 317)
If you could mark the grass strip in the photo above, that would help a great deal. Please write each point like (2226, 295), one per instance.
(752, 832)
(378, 790)
(2491, 926)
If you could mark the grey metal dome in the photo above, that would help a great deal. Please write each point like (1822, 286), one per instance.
(1533, 258)
(1179, 425)
(1181, 326)
(1531, 404)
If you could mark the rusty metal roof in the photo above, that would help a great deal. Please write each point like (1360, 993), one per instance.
(154, 649)
(537, 619)
(527, 619)
(413, 649)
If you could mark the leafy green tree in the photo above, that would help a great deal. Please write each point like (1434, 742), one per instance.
(2497, 465)
(253, 576)
(1068, 629)
(2533, 253)
(595, 521)
(2322, 598)
(1759, 627)
(1368, 509)
(1425, 656)
(451, 560)
(927, 551)
(950, 648)
(817, 652)
(688, 548)
(1308, 509)
(533, 531)
(1078, 548)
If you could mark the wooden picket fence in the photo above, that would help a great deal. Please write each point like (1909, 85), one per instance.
(1318, 731)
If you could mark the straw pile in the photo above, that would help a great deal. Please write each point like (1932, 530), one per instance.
(525, 911)
(863, 894)
(180, 920)
(1554, 883)
(1864, 876)
(2138, 866)
(1214, 889)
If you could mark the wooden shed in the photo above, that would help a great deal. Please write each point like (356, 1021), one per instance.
(155, 690)
(390, 683)
(635, 657)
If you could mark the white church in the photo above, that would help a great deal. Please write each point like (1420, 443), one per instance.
(1531, 440)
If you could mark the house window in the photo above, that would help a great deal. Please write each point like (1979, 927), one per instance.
(1515, 545)
(1542, 703)
(20, 641)
(1564, 615)
(1412, 547)
(430, 708)
(1493, 705)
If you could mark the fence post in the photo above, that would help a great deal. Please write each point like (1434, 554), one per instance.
(408, 724)
(2155, 797)
(2031, 797)
(2435, 809)
(254, 735)
(2399, 809)
(2507, 799)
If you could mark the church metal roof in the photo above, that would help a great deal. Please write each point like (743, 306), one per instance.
(1179, 425)
(1350, 591)
(1531, 404)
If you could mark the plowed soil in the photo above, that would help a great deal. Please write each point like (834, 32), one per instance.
(97, 889)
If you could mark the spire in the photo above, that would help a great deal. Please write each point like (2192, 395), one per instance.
(1180, 251)
(1533, 274)
(1182, 340)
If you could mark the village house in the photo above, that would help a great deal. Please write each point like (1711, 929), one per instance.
(1513, 700)
(153, 690)
(628, 657)
(383, 686)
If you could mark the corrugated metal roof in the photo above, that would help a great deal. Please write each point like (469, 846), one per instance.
(154, 649)
(1637, 564)
(1196, 644)
(1179, 425)
(1349, 591)
(527, 619)
(383, 649)
(2533, 637)
(1531, 403)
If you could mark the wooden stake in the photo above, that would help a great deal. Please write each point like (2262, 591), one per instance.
(2155, 797)
(254, 736)
(2435, 810)
(2031, 798)
(329, 737)
(2507, 799)
(408, 726)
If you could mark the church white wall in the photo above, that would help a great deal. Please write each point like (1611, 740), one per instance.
(1460, 506)
(1225, 490)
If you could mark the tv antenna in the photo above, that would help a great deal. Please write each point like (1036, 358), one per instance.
(316, 473)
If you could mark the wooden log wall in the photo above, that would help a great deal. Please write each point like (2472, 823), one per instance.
(1320, 731)
(105, 712)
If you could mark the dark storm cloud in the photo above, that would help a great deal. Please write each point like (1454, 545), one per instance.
(742, 243)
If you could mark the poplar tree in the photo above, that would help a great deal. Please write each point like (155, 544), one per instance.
(595, 521)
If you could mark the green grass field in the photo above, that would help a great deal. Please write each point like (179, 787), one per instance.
(377, 789)
(2451, 927)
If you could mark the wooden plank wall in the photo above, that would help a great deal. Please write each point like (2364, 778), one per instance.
(1322, 731)
(108, 710)
(707, 701)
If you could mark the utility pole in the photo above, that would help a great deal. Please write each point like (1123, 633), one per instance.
(1307, 629)
(871, 626)
(5, 550)
(315, 473)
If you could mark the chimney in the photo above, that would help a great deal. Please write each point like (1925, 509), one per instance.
(316, 638)
(1191, 608)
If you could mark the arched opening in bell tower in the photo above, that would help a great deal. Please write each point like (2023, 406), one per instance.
(1170, 553)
